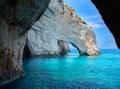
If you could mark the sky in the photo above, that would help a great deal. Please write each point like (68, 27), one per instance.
(88, 12)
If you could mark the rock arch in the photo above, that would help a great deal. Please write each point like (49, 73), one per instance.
(16, 20)
(77, 49)
(64, 27)
(41, 44)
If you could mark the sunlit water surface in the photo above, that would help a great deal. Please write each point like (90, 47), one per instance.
(71, 72)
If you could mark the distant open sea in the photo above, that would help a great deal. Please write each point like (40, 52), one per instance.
(71, 72)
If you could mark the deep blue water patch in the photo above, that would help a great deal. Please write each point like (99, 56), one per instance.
(71, 72)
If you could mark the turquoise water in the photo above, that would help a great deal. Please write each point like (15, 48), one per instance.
(71, 72)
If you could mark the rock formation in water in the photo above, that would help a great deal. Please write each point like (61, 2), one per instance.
(16, 18)
(41, 44)
(110, 11)
(63, 47)
(60, 23)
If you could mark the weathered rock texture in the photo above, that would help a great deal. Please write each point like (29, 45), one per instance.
(41, 44)
(16, 17)
(63, 47)
(57, 23)
(110, 11)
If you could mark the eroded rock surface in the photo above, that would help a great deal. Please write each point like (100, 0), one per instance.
(16, 17)
(60, 22)
(63, 47)
(41, 44)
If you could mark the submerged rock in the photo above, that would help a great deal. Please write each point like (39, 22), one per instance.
(60, 23)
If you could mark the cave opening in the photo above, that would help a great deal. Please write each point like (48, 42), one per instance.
(26, 51)
(73, 49)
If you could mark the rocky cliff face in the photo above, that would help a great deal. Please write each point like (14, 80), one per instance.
(16, 17)
(110, 11)
(57, 24)
(41, 44)
(60, 23)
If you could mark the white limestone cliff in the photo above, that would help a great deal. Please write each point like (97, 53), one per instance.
(60, 22)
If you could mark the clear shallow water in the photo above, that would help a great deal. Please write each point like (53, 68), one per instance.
(72, 72)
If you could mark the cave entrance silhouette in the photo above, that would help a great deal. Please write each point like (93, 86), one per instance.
(26, 51)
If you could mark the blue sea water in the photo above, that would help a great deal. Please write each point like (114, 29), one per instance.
(71, 72)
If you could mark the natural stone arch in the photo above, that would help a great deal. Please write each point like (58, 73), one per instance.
(41, 44)
(14, 24)
(78, 49)
(66, 27)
